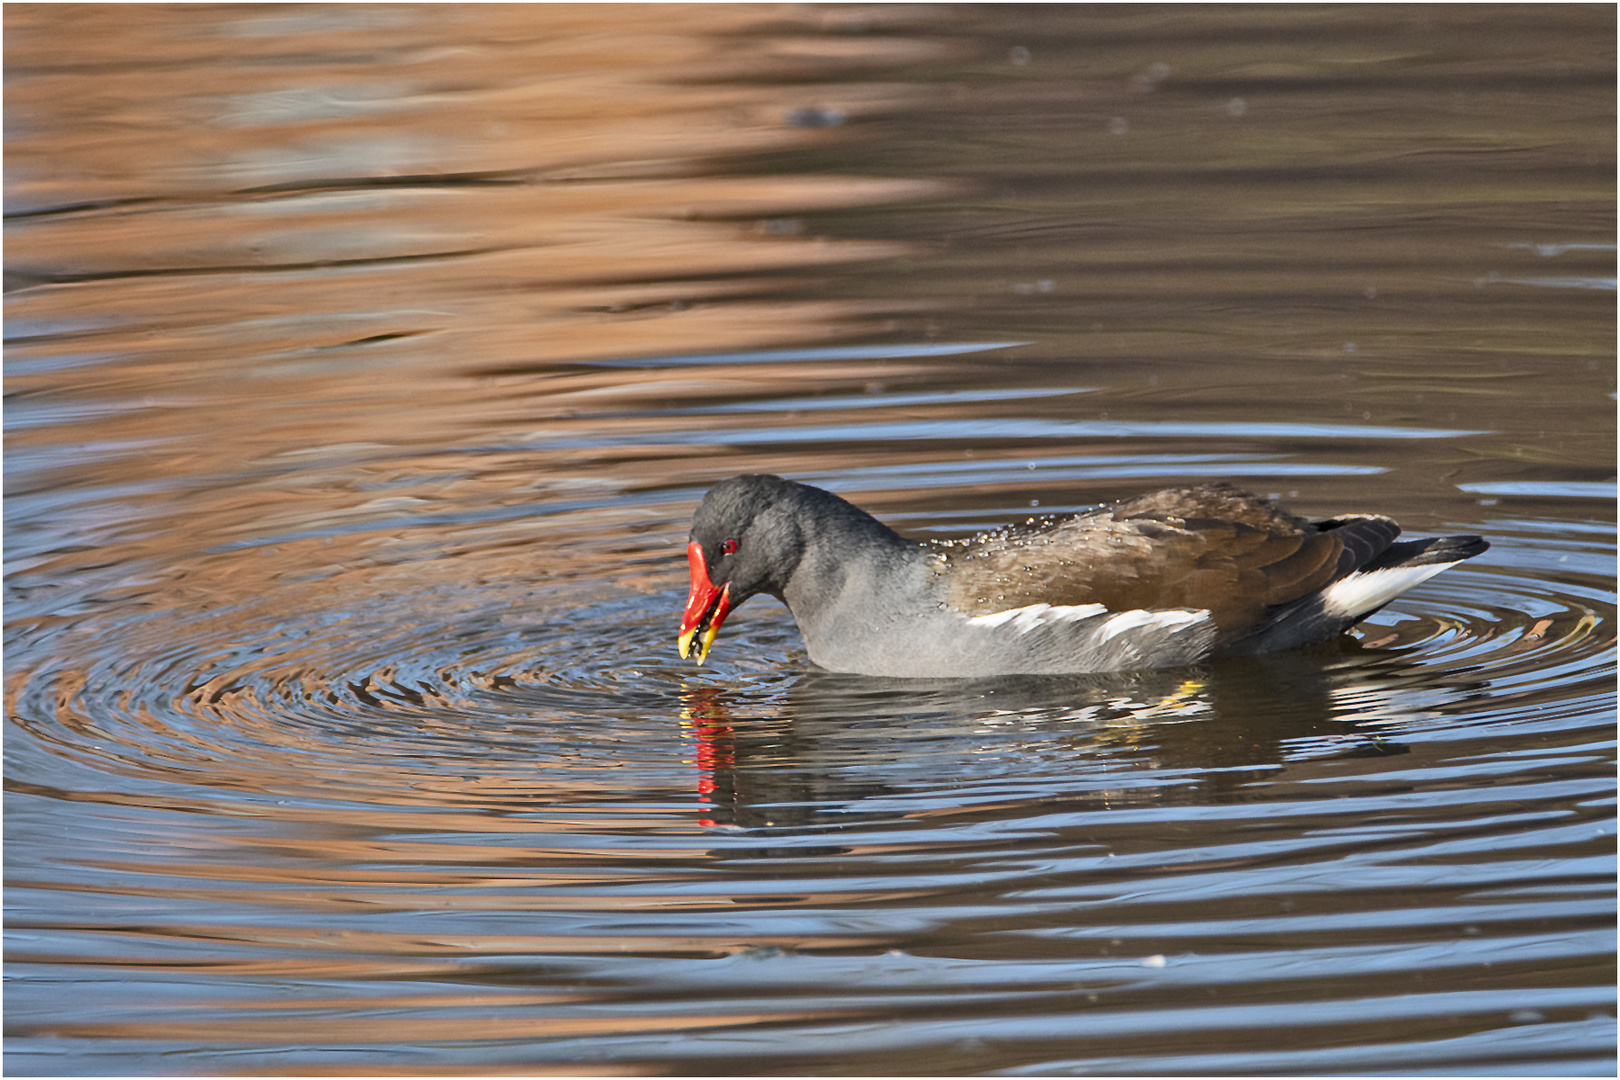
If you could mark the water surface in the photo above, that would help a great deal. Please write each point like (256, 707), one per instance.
(364, 365)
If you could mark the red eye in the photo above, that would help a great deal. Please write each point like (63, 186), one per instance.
(728, 546)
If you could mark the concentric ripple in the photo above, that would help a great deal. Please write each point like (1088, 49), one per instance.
(384, 681)
(492, 770)
(364, 366)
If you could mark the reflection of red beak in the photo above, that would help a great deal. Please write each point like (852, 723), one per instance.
(706, 606)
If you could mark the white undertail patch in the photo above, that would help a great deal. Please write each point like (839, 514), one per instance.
(1366, 591)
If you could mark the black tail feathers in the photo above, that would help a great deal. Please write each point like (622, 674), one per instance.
(1438, 549)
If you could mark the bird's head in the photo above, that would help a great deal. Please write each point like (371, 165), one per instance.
(745, 540)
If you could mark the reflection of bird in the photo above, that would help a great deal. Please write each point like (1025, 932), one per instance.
(1172, 577)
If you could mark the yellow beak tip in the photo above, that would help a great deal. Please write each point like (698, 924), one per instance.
(703, 643)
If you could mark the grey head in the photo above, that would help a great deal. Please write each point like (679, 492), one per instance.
(756, 531)
(762, 534)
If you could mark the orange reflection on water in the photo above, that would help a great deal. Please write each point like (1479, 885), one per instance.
(357, 376)
(373, 208)
(346, 1028)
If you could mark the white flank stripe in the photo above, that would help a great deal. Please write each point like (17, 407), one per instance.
(1022, 620)
(1167, 620)
(1361, 592)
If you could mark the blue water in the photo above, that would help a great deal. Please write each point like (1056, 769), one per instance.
(364, 367)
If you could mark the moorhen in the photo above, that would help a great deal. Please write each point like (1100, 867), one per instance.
(1173, 577)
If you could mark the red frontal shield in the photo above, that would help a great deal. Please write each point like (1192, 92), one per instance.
(706, 606)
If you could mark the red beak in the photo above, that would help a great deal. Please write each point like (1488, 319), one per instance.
(706, 606)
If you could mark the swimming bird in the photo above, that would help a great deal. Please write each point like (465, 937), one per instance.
(1173, 577)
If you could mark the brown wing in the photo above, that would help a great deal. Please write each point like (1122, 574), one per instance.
(1211, 547)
